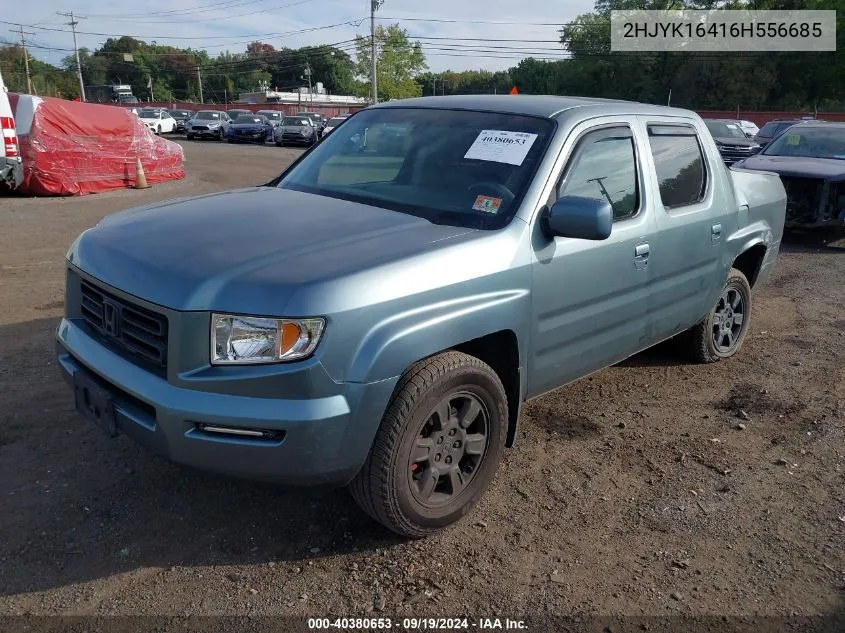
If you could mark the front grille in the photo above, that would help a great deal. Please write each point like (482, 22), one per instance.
(803, 198)
(128, 327)
(733, 153)
(200, 127)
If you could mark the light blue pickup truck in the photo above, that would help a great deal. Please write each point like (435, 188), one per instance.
(376, 315)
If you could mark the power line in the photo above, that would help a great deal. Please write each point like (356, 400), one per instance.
(193, 20)
(257, 36)
(227, 4)
(72, 24)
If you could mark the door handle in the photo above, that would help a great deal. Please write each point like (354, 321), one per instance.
(641, 256)
(716, 232)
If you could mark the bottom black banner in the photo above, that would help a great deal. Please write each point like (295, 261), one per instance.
(833, 623)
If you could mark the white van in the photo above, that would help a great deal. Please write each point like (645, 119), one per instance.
(11, 172)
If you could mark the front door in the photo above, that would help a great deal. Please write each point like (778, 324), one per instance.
(590, 298)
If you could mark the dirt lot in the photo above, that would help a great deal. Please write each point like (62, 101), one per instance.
(635, 492)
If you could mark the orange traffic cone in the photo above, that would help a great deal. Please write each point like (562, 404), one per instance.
(140, 177)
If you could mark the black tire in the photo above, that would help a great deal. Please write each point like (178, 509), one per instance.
(279, 144)
(231, 140)
(158, 130)
(387, 489)
(190, 137)
(702, 338)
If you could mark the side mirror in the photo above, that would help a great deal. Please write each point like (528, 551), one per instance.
(579, 217)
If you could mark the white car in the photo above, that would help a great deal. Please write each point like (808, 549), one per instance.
(749, 128)
(158, 121)
(11, 172)
(333, 123)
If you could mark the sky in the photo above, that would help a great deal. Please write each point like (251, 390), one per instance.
(220, 25)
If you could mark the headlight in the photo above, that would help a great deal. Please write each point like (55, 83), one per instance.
(252, 340)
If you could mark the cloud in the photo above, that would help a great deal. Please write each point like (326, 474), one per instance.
(219, 25)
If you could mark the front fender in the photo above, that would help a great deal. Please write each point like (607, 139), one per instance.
(397, 342)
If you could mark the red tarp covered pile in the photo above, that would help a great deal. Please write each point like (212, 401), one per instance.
(70, 148)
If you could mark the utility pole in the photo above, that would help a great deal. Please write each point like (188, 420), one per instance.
(199, 81)
(25, 56)
(374, 5)
(72, 24)
(308, 73)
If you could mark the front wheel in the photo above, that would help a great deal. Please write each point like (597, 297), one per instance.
(158, 130)
(721, 334)
(437, 448)
(190, 137)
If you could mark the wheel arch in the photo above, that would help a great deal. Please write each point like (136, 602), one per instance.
(750, 261)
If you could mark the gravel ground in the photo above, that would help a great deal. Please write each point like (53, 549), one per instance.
(653, 488)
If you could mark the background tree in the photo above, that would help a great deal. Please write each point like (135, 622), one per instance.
(399, 62)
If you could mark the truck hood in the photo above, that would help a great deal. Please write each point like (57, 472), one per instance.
(247, 250)
(797, 166)
(734, 141)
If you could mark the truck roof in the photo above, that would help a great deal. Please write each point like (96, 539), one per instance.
(547, 106)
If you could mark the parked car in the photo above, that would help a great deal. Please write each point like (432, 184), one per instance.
(810, 159)
(774, 128)
(157, 120)
(318, 120)
(252, 128)
(274, 116)
(181, 117)
(333, 123)
(235, 113)
(749, 128)
(11, 167)
(731, 140)
(208, 124)
(376, 320)
(295, 130)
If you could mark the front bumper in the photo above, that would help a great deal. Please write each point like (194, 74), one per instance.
(214, 133)
(323, 440)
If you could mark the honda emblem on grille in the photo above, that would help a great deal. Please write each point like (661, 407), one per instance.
(111, 318)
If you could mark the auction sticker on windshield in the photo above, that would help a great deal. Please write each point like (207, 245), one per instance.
(488, 204)
(499, 146)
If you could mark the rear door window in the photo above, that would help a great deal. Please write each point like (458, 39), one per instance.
(679, 163)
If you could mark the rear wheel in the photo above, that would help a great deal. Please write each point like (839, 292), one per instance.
(721, 334)
(437, 448)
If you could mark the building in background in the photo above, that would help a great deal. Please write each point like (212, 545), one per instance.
(302, 97)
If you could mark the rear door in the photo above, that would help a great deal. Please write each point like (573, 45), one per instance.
(694, 217)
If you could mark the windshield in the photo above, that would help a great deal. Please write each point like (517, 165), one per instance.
(816, 142)
(453, 167)
(337, 121)
(208, 115)
(272, 115)
(720, 129)
(248, 119)
(294, 120)
(772, 128)
(148, 114)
